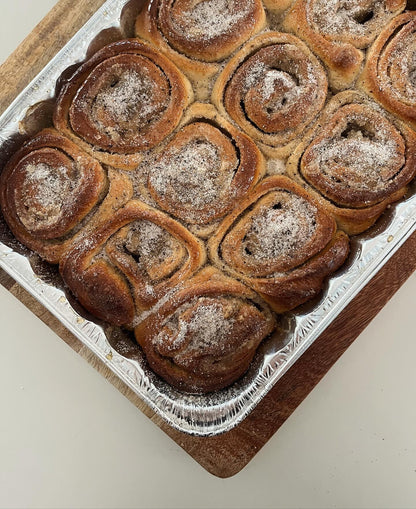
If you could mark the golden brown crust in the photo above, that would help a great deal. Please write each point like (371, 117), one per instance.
(358, 162)
(389, 71)
(273, 88)
(281, 243)
(203, 170)
(338, 33)
(136, 254)
(123, 101)
(205, 335)
(277, 5)
(198, 35)
(47, 189)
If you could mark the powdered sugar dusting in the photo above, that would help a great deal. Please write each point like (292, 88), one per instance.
(359, 161)
(257, 70)
(154, 252)
(403, 59)
(193, 176)
(211, 18)
(149, 242)
(131, 95)
(275, 78)
(411, 69)
(353, 17)
(205, 327)
(274, 83)
(44, 192)
(277, 232)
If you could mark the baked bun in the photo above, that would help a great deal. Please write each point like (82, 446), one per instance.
(122, 102)
(129, 262)
(389, 73)
(48, 191)
(357, 162)
(273, 89)
(281, 243)
(203, 170)
(205, 335)
(198, 35)
(339, 32)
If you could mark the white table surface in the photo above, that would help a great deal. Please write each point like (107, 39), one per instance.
(68, 438)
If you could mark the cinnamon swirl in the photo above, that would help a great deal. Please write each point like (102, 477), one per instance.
(359, 162)
(123, 101)
(273, 88)
(390, 71)
(281, 243)
(198, 34)
(338, 31)
(205, 336)
(128, 262)
(204, 170)
(48, 190)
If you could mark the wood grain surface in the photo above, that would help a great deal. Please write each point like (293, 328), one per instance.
(226, 454)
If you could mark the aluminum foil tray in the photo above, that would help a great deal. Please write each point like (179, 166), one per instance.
(219, 412)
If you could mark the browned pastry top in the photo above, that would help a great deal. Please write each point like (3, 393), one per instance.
(357, 158)
(389, 73)
(123, 101)
(205, 169)
(205, 335)
(47, 190)
(337, 31)
(143, 253)
(360, 161)
(280, 242)
(207, 30)
(356, 22)
(273, 88)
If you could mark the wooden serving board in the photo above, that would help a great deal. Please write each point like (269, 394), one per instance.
(226, 454)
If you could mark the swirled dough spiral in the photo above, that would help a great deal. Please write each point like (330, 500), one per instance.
(122, 102)
(205, 336)
(358, 162)
(273, 89)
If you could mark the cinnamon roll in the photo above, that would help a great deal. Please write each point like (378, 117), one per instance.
(359, 162)
(390, 71)
(338, 31)
(281, 243)
(48, 190)
(204, 170)
(128, 262)
(273, 88)
(123, 101)
(205, 336)
(198, 34)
